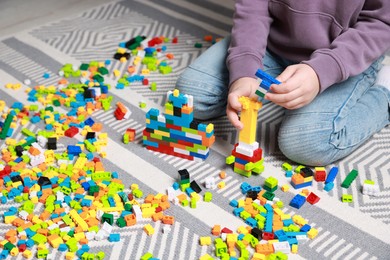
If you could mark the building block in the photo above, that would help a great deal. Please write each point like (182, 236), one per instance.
(370, 188)
(349, 179)
(332, 174)
(312, 198)
(246, 154)
(298, 201)
(347, 198)
(266, 81)
(175, 132)
(319, 174)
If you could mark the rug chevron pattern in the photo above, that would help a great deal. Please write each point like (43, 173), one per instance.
(359, 230)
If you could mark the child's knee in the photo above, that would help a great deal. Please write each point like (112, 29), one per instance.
(311, 147)
(310, 155)
(209, 95)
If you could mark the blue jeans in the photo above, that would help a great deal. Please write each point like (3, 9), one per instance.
(331, 127)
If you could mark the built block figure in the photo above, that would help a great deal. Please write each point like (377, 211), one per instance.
(176, 132)
(247, 155)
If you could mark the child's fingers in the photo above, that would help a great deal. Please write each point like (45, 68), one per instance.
(286, 74)
(233, 118)
(233, 102)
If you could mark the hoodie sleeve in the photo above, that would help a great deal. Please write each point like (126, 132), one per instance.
(355, 49)
(251, 23)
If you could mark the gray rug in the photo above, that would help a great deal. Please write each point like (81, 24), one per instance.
(358, 230)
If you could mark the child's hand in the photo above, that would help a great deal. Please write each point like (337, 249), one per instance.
(300, 85)
(245, 86)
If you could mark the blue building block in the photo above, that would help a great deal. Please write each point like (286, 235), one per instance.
(63, 248)
(298, 201)
(237, 211)
(245, 187)
(332, 175)
(89, 122)
(266, 77)
(234, 203)
(74, 149)
(329, 186)
(251, 222)
(114, 238)
(176, 185)
(305, 228)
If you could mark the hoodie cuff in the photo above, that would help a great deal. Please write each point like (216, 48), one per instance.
(244, 65)
(328, 69)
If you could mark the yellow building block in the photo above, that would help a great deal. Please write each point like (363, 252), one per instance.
(294, 248)
(27, 254)
(221, 185)
(79, 236)
(55, 243)
(69, 255)
(285, 188)
(206, 257)
(312, 233)
(148, 212)
(205, 241)
(258, 256)
(149, 229)
(9, 219)
(116, 73)
(248, 118)
(78, 220)
(242, 230)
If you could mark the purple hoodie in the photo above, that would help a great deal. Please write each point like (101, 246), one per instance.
(337, 38)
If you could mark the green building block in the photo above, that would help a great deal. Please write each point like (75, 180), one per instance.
(153, 86)
(271, 182)
(349, 179)
(299, 168)
(121, 222)
(109, 218)
(39, 238)
(184, 203)
(6, 126)
(347, 198)
(242, 172)
(193, 203)
(208, 196)
(147, 256)
(220, 247)
(137, 193)
(269, 195)
(42, 254)
(286, 166)
(100, 255)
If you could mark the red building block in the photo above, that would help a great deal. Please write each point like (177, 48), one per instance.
(71, 131)
(320, 175)
(312, 198)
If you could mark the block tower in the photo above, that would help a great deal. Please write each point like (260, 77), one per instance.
(175, 132)
(247, 155)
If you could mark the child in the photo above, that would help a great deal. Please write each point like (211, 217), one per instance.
(327, 55)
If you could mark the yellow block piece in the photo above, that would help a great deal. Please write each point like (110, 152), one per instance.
(205, 241)
(250, 108)
(285, 187)
(258, 256)
(149, 229)
(312, 233)
(78, 220)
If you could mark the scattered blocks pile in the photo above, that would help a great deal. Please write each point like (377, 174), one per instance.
(269, 233)
(302, 179)
(175, 132)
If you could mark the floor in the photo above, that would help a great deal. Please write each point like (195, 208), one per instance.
(18, 15)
